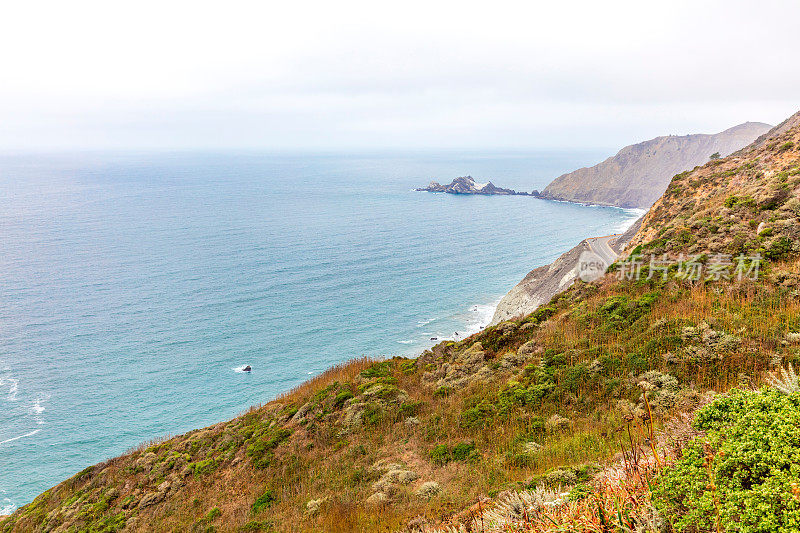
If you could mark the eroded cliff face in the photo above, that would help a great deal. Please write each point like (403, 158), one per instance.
(542, 283)
(639, 174)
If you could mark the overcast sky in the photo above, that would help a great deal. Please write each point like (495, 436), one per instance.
(351, 75)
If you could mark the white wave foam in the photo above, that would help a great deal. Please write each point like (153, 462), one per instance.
(422, 323)
(633, 215)
(240, 369)
(406, 342)
(13, 388)
(37, 409)
(12, 439)
(7, 507)
(477, 318)
(481, 315)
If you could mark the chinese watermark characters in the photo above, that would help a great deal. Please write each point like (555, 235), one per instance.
(690, 268)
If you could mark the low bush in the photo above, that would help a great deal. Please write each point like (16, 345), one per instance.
(342, 397)
(443, 454)
(261, 447)
(743, 474)
(478, 416)
(264, 501)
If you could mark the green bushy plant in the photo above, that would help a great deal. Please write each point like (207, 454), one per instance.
(463, 451)
(264, 501)
(478, 416)
(779, 248)
(743, 474)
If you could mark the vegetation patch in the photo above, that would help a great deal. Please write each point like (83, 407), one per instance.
(264, 501)
(743, 474)
(463, 451)
(261, 446)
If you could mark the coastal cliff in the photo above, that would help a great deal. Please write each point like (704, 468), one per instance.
(635, 177)
(543, 283)
(580, 416)
(639, 174)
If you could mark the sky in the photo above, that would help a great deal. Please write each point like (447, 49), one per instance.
(350, 75)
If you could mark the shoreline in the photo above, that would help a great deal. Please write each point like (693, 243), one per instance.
(473, 320)
(589, 204)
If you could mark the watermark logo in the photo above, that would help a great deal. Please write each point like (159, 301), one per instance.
(690, 268)
(591, 266)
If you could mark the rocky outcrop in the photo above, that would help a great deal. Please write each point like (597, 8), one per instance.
(615, 182)
(467, 185)
(639, 174)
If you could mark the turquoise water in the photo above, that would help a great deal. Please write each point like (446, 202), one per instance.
(132, 287)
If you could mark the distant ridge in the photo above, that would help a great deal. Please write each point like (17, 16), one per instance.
(639, 174)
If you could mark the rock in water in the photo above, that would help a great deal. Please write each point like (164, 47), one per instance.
(467, 185)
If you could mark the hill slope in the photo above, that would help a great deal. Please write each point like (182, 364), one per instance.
(640, 173)
(539, 403)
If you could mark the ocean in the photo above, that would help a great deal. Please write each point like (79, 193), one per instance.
(135, 286)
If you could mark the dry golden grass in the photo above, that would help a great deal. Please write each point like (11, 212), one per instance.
(342, 372)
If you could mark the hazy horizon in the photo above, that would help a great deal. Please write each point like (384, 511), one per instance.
(355, 75)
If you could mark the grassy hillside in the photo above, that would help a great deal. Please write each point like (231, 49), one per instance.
(540, 405)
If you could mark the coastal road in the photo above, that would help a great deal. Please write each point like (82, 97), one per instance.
(601, 246)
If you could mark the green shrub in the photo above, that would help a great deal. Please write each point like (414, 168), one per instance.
(372, 415)
(495, 338)
(779, 248)
(745, 469)
(408, 367)
(261, 447)
(342, 397)
(410, 408)
(540, 315)
(734, 201)
(573, 377)
(213, 514)
(443, 392)
(203, 467)
(264, 501)
(579, 492)
(619, 312)
(440, 455)
(478, 416)
(378, 370)
(464, 451)
(537, 383)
